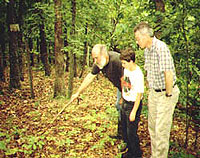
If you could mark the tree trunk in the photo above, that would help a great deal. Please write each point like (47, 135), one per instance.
(51, 54)
(2, 76)
(2, 52)
(30, 45)
(83, 63)
(14, 65)
(188, 81)
(71, 74)
(71, 54)
(20, 41)
(66, 52)
(38, 50)
(30, 71)
(43, 51)
(59, 84)
(74, 32)
(160, 6)
(20, 56)
(88, 57)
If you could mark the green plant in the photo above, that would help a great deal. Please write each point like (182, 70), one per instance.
(5, 138)
(180, 154)
(64, 142)
(32, 143)
(37, 103)
(1, 102)
(2, 145)
(145, 111)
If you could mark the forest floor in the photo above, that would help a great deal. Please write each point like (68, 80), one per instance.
(81, 131)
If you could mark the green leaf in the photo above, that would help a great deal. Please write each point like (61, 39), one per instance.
(2, 134)
(34, 147)
(11, 151)
(40, 146)
(2, 145)
(29, 146)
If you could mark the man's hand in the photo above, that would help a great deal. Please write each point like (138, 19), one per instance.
(132, 116)
(88, 79)
(74, 96)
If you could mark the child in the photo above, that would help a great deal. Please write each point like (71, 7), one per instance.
(132, 92)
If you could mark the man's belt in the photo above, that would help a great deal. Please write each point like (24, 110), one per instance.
(161, 90)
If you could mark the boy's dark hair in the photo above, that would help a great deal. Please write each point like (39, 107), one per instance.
(127, 55)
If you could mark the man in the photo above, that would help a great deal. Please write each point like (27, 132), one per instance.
(109, 64)
(163, 92)
(132, 92)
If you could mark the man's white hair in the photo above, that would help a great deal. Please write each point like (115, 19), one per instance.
(147, 30)
(99, 49)
(144, 28)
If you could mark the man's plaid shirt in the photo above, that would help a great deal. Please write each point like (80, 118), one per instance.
(157, 60)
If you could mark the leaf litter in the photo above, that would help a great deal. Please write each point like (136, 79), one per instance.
(82, 130)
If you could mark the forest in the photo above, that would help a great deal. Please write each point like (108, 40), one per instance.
(45, 53)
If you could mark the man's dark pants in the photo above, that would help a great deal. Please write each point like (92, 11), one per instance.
(129, 129)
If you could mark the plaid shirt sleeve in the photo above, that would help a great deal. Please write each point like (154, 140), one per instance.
(165, 58)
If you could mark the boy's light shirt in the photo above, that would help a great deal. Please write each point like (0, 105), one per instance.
(133, 83)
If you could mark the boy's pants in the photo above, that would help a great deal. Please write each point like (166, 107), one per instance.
(129, 129)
